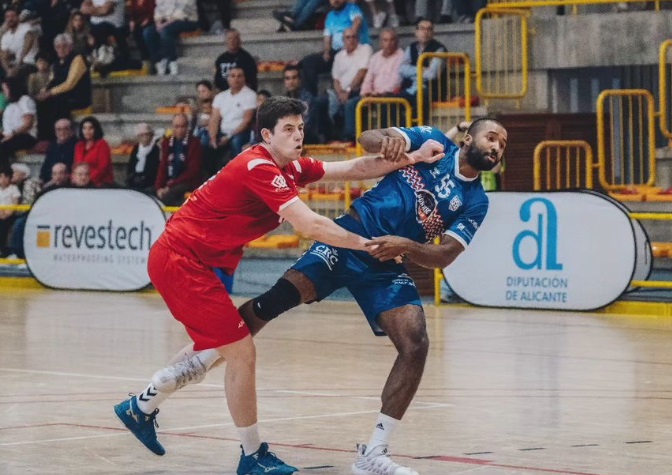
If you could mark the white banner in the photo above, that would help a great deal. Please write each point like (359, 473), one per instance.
(92, 239)
(560, 250)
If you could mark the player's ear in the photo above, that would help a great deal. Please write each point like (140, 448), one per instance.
(466, 140)
(265, 135)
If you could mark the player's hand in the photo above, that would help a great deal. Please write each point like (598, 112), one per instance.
(393, 148)
(388, 247)
(430, 152)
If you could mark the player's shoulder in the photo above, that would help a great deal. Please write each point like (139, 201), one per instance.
(255, 157)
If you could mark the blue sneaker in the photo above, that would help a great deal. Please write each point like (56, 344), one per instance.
(140, 424)
(263, 462)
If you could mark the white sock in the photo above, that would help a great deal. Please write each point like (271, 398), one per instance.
(150, 398)
(385, 427)
(249, 438)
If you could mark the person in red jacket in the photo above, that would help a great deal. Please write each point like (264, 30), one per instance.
(180, 165)
(94, 150)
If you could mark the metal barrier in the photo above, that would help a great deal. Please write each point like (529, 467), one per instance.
(563, 164)
(447, 99)
(501, 54)
(496, 5)
(381, 112)
(625, 119)
(664, 87)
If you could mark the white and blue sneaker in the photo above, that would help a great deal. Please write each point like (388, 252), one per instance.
(263, 462)
(140, 424)
(377, 461)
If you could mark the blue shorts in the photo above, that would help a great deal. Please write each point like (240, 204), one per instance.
(376, 286)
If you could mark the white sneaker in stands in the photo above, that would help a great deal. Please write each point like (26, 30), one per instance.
(377, 461)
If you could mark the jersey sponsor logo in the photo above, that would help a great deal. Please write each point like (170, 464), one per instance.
(425, 129)
(425, 205)
(403, 279)
(455, 203)
(280, 183)
(435, 172)
(328, 254)
(473, 223)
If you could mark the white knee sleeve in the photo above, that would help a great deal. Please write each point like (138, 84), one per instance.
(188, 371)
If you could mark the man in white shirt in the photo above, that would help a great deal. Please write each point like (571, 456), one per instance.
(231, 119)
(18, 46)
(107, 19)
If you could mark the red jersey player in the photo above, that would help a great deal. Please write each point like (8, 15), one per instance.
(248, 198)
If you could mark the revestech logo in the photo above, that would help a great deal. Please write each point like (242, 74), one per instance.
(105, 237)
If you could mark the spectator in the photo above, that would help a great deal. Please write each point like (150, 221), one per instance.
(348, 72)
(79, 30)
(424, 34)
(379, 17)
(171, 17)
(180, 165)
(144, 160)
(62, 150)
(81, 176)
(107, 20)
(262, 96)
(39, 80)
(141, 17)
(316, 123)
(93, 150)
(382, 79)
(218, 26)
(60, 178)
(29, 190)
(9, 195)
(231, 120)
(234, 57)
(19, 125)
(202, 122)
(204, 93)
(70, 86)
(341, 16)
(300, 16)
(18, 46)
(422, 10)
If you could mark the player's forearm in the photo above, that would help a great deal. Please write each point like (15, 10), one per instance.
(325, 230)
(432, 255)
(371, 140)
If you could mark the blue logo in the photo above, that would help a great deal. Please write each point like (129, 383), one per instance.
(544, 237)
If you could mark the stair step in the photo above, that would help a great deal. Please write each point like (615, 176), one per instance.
(255, 25)
(260, 8)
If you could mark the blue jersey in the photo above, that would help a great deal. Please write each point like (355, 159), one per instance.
(423, 201)
(339, 20)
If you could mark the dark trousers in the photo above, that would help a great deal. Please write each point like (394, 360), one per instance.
(311, 67)
(13, 145)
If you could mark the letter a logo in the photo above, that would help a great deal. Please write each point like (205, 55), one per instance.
(543, 239)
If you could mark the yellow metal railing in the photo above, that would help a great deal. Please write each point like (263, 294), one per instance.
(499, 4)
(663, 80)
(381, 112)
(501, 54)
(563, 164)
(448, 96)
(626, 138)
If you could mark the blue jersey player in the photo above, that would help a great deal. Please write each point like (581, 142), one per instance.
(402, 214)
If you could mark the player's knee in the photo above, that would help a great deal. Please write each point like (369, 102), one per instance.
(415, 345)
(280, 298)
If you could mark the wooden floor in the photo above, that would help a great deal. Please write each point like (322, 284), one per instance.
(505, 391)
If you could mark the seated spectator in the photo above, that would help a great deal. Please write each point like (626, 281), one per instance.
(60, 178)
(93, 150)
(29, 190)
(180, 164)
(204, 93)
(379, 17)
(316, 123)
(81, 176)
(80, 31)
(19, 124)
(424, 34)
(141, 18)
(347, 73)
(144, 160)
(171, 17)
(262, 96)
(70, 86)
(202, 122)
(61, 150)
(235, 57)
(341, 16)
(381, 79)
(107, 21)
(231, 120)
(9, 195)
(301, 16)
(18, 46)
(220, 25)
(39, 80)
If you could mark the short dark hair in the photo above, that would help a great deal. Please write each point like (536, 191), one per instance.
(17, 88)
(6, 170)
(204, 82)
(265, 93)
(478, 124)
(276, 108)
(97, 128)
(291, 67)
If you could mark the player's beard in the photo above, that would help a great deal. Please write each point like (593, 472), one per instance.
(479, 160)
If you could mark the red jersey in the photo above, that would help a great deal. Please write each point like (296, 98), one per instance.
(236, 206)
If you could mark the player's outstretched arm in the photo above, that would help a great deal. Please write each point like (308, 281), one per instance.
(375, 166)
(313, 226)
(387, 142)
(456, 130)
(426, 255)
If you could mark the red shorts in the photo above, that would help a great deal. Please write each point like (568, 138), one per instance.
(196, 298)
